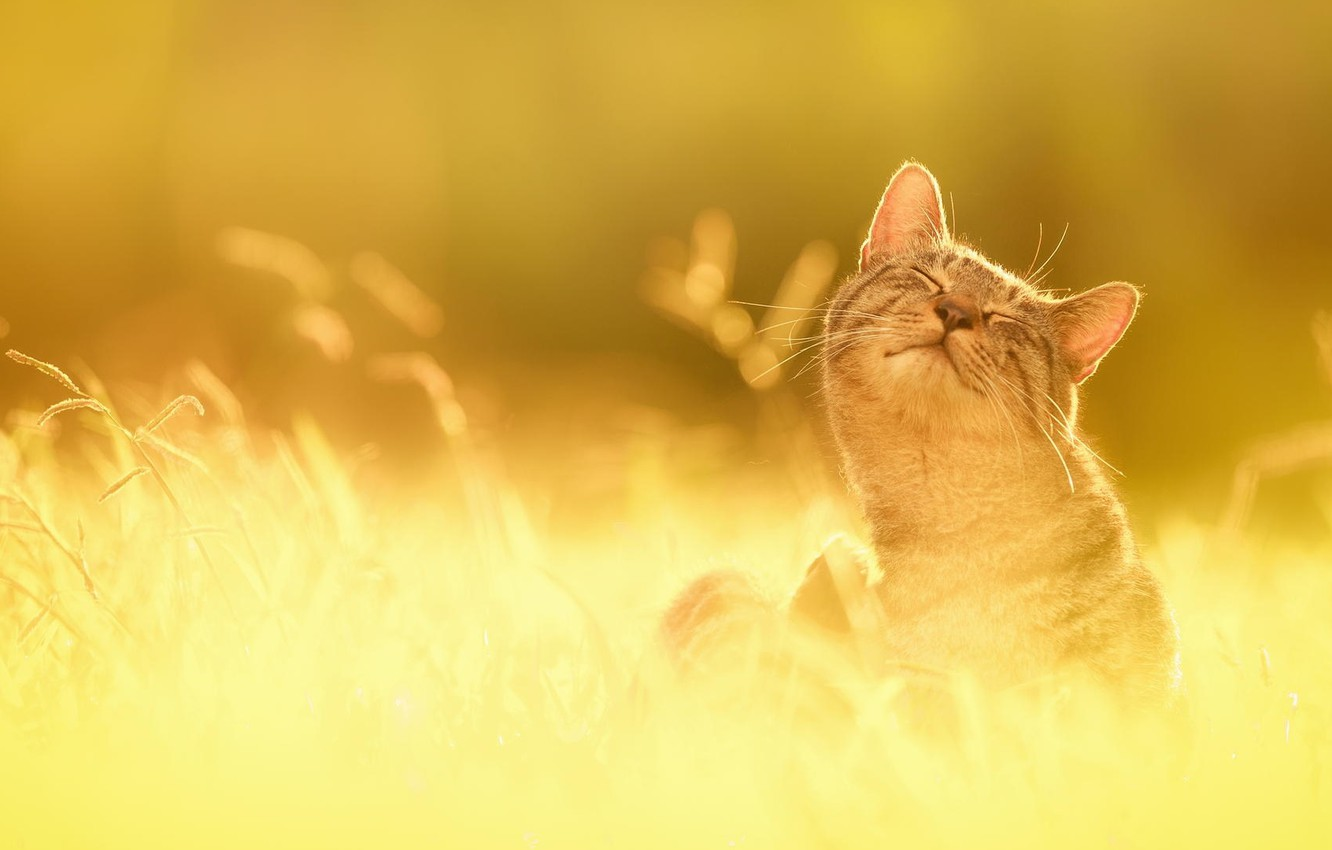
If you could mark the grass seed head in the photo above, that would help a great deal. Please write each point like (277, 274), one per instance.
(46, 369)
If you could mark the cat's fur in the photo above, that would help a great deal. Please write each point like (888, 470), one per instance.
(951, 387)
(951, 390)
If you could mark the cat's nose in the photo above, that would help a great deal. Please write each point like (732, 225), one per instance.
(956, 311)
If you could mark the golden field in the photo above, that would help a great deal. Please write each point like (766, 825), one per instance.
(218, 636)
(377, 381)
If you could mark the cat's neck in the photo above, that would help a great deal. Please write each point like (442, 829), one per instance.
(933, 490)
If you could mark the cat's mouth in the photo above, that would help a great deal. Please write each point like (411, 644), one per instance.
(937, 347)
(939, 351)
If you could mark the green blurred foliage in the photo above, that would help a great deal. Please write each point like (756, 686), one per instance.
(515, 159)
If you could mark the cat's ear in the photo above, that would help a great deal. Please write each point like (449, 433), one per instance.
(1090, 323)
(910, 214)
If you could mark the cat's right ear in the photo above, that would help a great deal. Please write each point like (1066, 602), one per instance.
(1090, 323)
(911, 214)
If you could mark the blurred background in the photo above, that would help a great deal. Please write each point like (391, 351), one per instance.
(520, 162)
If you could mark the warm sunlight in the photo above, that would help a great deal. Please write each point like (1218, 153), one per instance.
(450, 426)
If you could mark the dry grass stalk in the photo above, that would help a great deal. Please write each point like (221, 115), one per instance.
(1322, 334)
(76, 558)
(42, 525)
(69, 404)
(421, 369)
(326, 328)
(396, 293)
(37, 618)
(142, 438)
(46, 369)
(119, 483)
(88, 584)
(137, 440)
(1295, 450)
(279, 255)
(21, 526)
(198, 531)
(170, 410)
(51, 601)
(219, 395)
(697, 298)
(1300, 448)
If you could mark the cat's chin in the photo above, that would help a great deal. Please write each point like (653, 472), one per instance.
(928, 368)
(924, 380)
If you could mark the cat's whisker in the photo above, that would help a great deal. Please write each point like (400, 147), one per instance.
(1040, 279)
(1068, 474)
(769, 329)
(1057, 246)
(828, 310)
(1040, 237)
(1012, 426)
(812, 315)
(791, 322)
(839, 334)
(780, 363)
(991, 375)
(1074, 438)
(1062, 418)
(1046, 428)
(1045, 432)
(807, 367)
(1021, 394)
(1067, 430)
(823, 354)
(850, 333)
(1072, 490)
(1026, 401)
(830, 352)
(991, 393)
(769, 306)
(814, 362)
(837, 344)
(879, 321)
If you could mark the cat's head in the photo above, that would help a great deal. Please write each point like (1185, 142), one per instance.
(931, 332)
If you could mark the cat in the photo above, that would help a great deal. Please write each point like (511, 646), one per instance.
(951, 389)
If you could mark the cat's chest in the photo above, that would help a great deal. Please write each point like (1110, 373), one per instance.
(991, 613)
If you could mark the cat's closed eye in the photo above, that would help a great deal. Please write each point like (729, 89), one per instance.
(928, 278)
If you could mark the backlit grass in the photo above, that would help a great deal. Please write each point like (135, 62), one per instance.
(219, 636)
(238, 647)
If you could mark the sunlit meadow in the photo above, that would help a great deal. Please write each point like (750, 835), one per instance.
(375, 382)
(217, 635)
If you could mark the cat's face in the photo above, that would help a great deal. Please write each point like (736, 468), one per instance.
(937, 332)
(931, 332)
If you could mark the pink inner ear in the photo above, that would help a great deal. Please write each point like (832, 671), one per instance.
(1099, 319)
(910, 212)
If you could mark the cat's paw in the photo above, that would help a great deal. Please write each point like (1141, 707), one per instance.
(834, 588)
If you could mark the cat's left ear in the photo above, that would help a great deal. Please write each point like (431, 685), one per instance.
(1090, 323)
(910, 215)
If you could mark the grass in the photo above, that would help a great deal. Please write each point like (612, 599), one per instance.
(212, 637)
